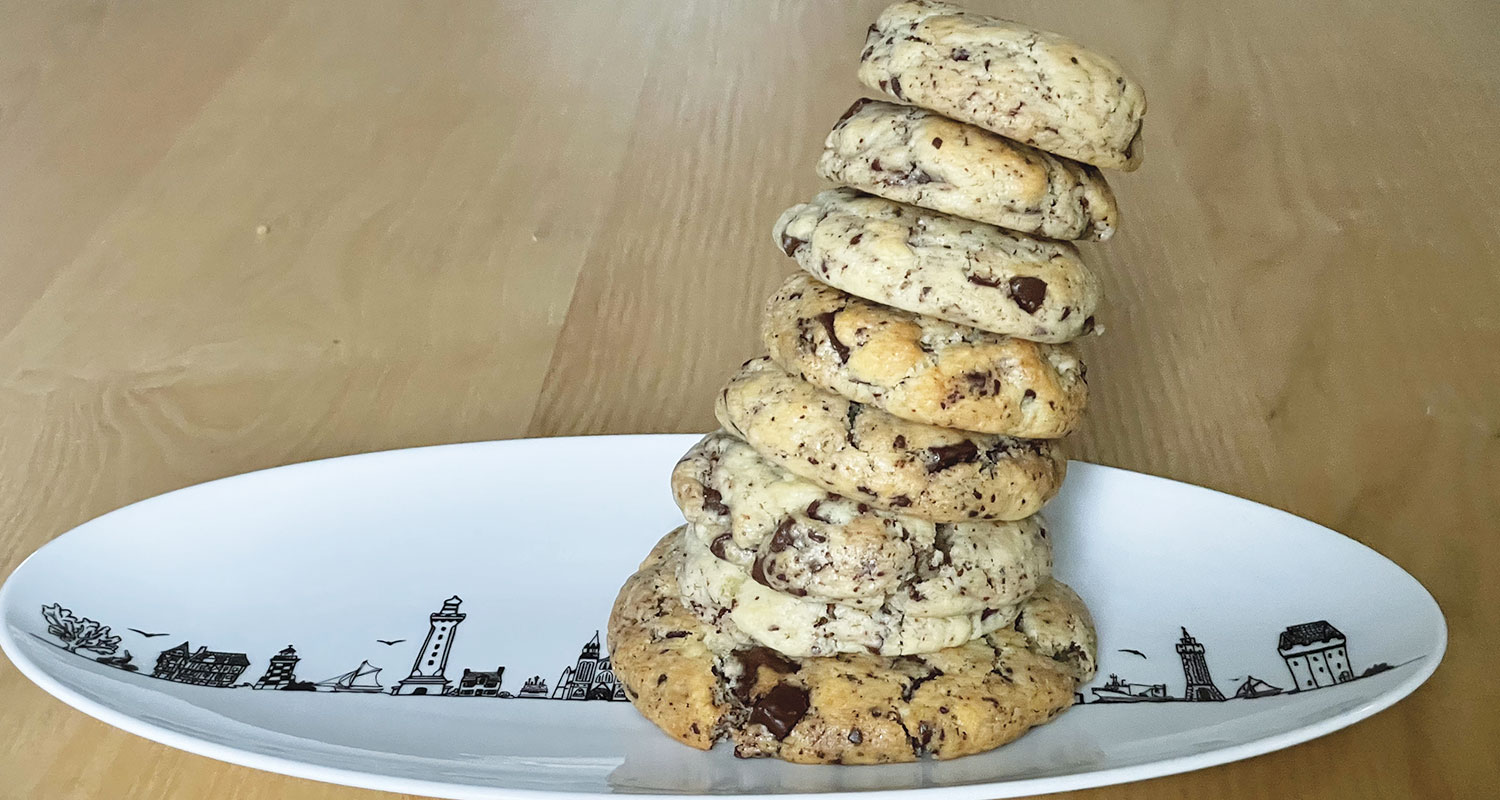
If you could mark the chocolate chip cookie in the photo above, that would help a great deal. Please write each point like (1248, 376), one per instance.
(701, 685)
(1032, 86)
(912, 155)
(795, 538)
(942, 266)
(864, 453)
(923, 369)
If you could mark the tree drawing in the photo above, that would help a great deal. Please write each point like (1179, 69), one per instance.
(79, 634)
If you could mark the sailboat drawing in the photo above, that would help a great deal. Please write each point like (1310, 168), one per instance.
(1255, 687)
(363, 678)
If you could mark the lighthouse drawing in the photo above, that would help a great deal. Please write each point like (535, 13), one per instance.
(1200, 684)
(427, 670)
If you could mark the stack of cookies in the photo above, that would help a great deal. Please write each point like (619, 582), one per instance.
(864, 576)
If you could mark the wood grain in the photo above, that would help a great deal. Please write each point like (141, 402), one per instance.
(242, 235)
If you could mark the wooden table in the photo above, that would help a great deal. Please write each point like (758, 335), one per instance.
(258, 233)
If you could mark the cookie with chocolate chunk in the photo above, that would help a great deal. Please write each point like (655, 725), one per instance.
(923, 369)
(795, 538)
(1036, 87)
(864, 453)
(700, 685)
(942, 266)
(911, 155)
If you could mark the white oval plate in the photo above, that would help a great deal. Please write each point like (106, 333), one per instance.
(350, 561)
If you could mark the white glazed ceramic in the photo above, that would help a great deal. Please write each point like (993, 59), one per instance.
(350, 562)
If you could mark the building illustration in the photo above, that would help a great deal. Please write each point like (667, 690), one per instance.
(535, 689)
(592, 678)
(280, 673)
(1200, 684)
(427, 670)
(1316, 654)
(201, 667)
(480, 684)
(1116, 690)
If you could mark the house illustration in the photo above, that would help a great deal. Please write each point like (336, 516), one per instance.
(201, 667)
(480, 684)
(1316, 654)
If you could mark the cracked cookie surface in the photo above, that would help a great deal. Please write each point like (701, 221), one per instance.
(912, 155)
(942, 266)
(1033, 86)
(923, 369)
(864, 453)
(701, 685)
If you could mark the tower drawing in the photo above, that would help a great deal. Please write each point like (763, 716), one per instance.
(1200, 684)
(427, 671)
(280, 673)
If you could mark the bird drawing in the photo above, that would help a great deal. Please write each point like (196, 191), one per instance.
(143, 633)
(1137, 652)
(389, 642)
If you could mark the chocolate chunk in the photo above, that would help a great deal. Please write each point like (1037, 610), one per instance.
(899, 501)
(812, 510)
(817, 537)
(751, 660)
(959, 54)
(782, 539)
(826, 318)
(791, 244)
(717, 545)
(988, 612)
(676, 634)
(1088, 325)
(980, 280)
(780, 710)
(949, 455)
(854, 109)
(899, 442)
(855, 736)
(1028, 395)
(713, 501)
(853, 240)
(758, 573)
(1029, 293)
(896, 88)
(937, 142)
(875, 165)
(1067, 312)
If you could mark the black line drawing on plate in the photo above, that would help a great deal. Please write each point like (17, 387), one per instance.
(534, 689)
(1115, 690)
(79, 633)
(143, 633)
(1200, 684)
(389, 642)
(201, 667)
(363, 679)
(1136, 652)
(427, 675)
(481, 684)
(281, 674)
(1254, 687)
(592, 678)
(1316, 654)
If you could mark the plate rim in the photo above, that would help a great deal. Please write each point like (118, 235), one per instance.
(465, 791)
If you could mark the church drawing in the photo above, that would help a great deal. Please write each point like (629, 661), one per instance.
(592, 678)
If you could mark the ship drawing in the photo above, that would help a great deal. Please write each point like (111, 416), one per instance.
(1255, 687)
(363, 678)
(1117, 691)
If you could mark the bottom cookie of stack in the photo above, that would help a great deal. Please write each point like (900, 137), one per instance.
(701, 683)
